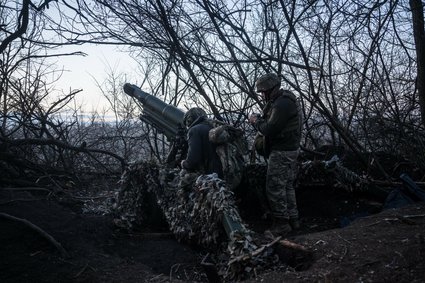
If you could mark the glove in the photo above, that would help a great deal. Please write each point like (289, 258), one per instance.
(253, 118)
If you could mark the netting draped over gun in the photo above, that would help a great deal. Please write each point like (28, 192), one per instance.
(165, 118)
(168, 120)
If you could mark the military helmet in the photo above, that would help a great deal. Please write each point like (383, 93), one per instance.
(192, 114)
(267, 82)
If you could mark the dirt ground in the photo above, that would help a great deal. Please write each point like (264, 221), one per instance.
(387, 246)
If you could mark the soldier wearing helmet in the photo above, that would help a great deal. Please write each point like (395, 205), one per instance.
(279, 129)
(266, 84)
(201, 156)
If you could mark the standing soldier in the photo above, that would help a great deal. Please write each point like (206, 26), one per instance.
(278, 140)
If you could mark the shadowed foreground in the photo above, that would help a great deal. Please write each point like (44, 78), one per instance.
(388, 246)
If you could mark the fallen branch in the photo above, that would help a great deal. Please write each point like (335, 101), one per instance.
(27, 189)
(91, 198)
(63, 145)
(294, 254)
(392, 220)
(246, 256)
(44, 234)
(414, 216)
(82, 270)
(166, 235)
(291, 245)
(19, 199)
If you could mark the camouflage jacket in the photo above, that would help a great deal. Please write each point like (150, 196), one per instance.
(281, 122)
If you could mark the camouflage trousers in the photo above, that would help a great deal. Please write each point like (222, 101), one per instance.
(281, 174)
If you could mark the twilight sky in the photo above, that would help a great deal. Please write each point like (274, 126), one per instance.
(83, 72)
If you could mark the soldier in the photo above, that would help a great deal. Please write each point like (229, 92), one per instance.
(279, 137)
(201, 157)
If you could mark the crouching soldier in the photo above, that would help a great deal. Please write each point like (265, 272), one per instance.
(201, 157)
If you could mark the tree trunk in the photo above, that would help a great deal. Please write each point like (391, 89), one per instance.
(418, 32)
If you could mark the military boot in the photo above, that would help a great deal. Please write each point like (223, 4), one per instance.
(280, 227)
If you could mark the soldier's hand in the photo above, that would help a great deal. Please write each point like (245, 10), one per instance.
(253, 118)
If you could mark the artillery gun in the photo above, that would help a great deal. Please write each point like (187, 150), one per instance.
(166, 118)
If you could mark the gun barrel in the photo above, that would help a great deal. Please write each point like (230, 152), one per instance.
(165, 116)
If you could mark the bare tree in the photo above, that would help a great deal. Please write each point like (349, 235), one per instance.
(351, 63)
(37, 139)
(19, 28)
(419, 34)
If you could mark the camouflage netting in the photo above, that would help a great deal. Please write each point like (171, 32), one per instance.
(333, 172)
(194, 207)
(136, 197)
(197, 215)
